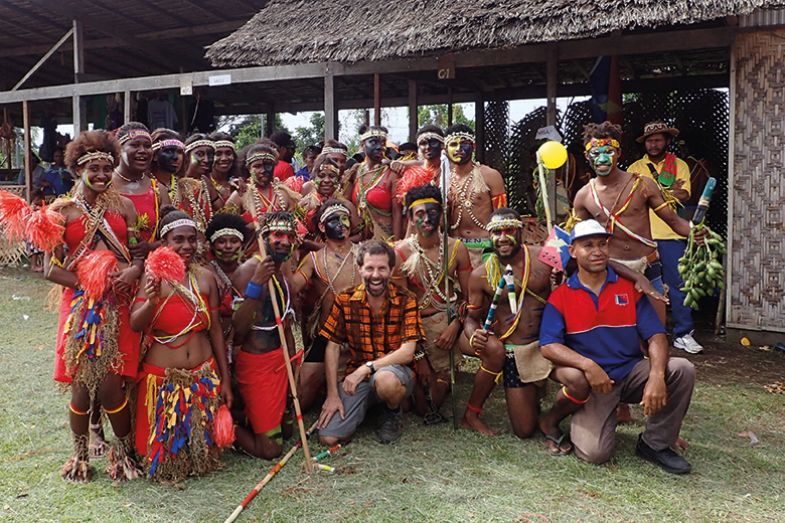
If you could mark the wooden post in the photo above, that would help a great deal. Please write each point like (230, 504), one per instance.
(413, 121)
(449, 107)
(28, 167)
(479, 122)
(269, 121)
(377, 99)
(78, 51)
(127, 107)
(76, 110)
(330, 112)
(5, 119)
(552, 83)
(76, 102)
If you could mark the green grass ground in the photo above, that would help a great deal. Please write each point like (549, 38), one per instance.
(432, 474)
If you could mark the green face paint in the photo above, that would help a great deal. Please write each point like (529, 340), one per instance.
(602, 159)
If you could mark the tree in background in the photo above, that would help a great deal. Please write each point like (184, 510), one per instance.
(437, 115)
(312, 134)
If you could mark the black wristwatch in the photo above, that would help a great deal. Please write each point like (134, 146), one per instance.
(369, 364)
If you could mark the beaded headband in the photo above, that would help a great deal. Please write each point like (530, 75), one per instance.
(226, 231)
(95, 155)
(459, 136)
(430, 135)
(333, 209)
(373, 133)
(172, 142)
(199, 143)
(503, 223)
(279, 226)
(330, 168)
(259, 156)
(333, 150)
(183, 222)
(422, 201)
(224, 143)
(599, 142)
(132, 134)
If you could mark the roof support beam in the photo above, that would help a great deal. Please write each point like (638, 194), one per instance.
(43, 59)
(413, 111)
(78, 50)
(330, 109)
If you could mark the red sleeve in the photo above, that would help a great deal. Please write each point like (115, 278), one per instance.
(283, 170)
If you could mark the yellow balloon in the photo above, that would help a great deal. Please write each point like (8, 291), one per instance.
(552, 154)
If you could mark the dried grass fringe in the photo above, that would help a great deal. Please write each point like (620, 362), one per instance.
(197, 458)
(91, 373)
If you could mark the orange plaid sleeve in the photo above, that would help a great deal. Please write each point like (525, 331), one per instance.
(412, 324)
(334, 328)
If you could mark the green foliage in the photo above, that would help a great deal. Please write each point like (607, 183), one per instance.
(311, 135)
(437, 115)
(248, 129)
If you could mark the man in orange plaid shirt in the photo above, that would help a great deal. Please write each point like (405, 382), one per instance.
(380, 324)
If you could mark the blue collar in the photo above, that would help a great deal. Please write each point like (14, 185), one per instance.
(574, 283)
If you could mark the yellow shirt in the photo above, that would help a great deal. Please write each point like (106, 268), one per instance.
(659, 229)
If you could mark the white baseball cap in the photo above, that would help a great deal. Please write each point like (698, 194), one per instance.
(586, 228)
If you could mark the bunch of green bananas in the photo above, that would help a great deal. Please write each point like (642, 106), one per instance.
(700, 267)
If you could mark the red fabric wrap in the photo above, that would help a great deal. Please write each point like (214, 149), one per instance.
(128, 341)
(263, 388)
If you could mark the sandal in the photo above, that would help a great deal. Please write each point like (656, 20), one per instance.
(559, 450)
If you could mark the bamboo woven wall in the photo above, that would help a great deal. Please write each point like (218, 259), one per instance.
(757, 300)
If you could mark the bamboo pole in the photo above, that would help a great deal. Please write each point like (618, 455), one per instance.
(287, 359)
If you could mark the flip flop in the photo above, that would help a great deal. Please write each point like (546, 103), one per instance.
(559, 450)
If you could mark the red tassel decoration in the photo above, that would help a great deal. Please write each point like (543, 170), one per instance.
(45, 229)
(295, 183)
(14, 212)
(165, 264)
(93, 272)
(415, 176)
(223, 427)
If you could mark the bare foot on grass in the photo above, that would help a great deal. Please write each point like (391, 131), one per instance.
(473, 422)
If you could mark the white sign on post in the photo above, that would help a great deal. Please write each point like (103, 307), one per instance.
(186, 86)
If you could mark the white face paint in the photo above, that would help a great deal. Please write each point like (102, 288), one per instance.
(124, 156)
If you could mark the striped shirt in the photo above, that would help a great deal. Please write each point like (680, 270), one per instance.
(352, 322)
(607, 329)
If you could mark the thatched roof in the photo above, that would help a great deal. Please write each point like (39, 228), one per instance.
(293, 31)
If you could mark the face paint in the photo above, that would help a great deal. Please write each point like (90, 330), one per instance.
(602, 159)
(280, 245)
(262, 172)
(431, 149)
(336, 227)
(124, 157)
(327, 182)
(460, 151)
(427, 217)
(373, 149)
(506, 242)
(170, 159)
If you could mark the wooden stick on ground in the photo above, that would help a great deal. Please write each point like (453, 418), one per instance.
(270, 475)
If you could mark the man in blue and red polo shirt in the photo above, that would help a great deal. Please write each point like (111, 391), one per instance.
(592, 330)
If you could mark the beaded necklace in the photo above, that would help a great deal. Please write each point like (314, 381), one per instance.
(331, 280)
(465, 194)
(434, 276)
(362, 195)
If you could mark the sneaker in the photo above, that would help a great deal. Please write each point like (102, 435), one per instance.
(666, 459)
(391, 427)
(688, 344)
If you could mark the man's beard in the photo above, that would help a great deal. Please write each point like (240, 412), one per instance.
(374, 293)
